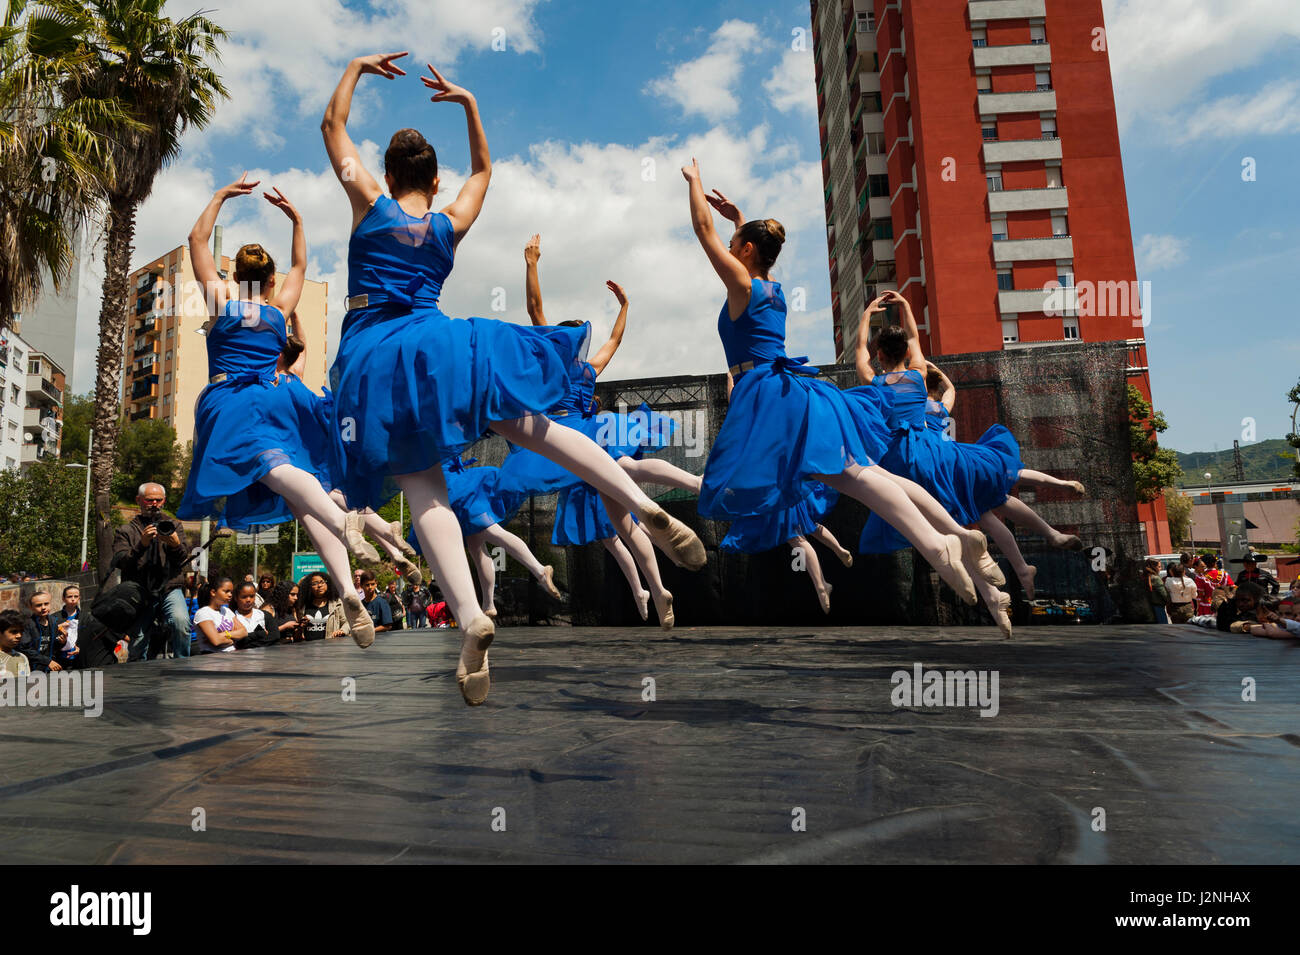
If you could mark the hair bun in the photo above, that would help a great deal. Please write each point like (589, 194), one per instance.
(775, 228)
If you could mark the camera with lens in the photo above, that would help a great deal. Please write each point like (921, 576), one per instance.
(166, 526)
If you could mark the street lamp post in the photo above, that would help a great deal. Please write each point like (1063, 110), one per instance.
(85, 511)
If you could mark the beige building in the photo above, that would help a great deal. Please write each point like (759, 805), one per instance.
(166, 355)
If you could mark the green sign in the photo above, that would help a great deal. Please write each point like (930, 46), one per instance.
(304, 564)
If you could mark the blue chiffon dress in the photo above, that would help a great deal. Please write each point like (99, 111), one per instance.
(753, 535)
(966, 479)
(248, 423)
(783, 426)
(413, 387)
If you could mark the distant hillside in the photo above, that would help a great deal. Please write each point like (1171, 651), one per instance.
(1263, 461)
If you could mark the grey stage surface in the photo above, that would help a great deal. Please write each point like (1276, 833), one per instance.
(1146, 723)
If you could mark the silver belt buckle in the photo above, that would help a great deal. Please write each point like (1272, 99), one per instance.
(218, 379)
(356, 301)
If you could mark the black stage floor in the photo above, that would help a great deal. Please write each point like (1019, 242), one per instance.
(747, 728)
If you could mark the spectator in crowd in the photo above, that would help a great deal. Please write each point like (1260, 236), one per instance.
(285, 608)
(1204, 589)
(322, 608)
(265, 584)
(146, 556)
(261, 628)
(439, 614)
(38, 635)
(218, 629)
(1181, 587)
(375, 603)
(395, 605)
(1157, 595)
(1241, 612)
(1252, 572)
(416, 600)
(13, 662)
(66, 622)
(1277, 620)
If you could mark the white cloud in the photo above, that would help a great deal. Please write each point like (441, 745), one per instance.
(792, 84)
(1164, 54)
(1156, 252)
(706, 86)
(1273, 110)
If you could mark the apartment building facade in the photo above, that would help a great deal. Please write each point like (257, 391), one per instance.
(31, 424)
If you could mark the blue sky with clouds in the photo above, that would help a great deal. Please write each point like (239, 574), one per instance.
(592, 108)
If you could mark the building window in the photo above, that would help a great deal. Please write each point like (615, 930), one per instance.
(169, 332)
(876, 144)
(167, 377)
(1066, 279)
(1049, 128)
(999, 229)
(167, 399)
(984, 82)
(990, 132)
(994, 179)
(1054, 177)
(1060, 226)
(1010, 331)
(1005, 283)
(1071, 329)
(878, 186)
(1037, 33)
(872, 103)
(882, 228)
(1043, 79)
(979, 37)
(33, 367)
(867, 21)
(13, 393)
(169, 356)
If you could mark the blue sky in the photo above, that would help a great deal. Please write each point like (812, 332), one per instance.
(587, 96)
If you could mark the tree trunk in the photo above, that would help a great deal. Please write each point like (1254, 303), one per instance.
(113, 312)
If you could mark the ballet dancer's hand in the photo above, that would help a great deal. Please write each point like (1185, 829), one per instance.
(875, 306)
(726, 208)
(446, 92)
(280, 202)
(533, 250)
(891, 297)
(692, 172)
(381, 64)
(240, 188)
(617, 290)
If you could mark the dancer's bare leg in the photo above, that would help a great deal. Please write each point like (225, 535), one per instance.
(324, 522)
(1019, 512)
(1043, 479)
(623, 557)
(516, 548)
(486, 569)
(440, 538)
(827, 540)
(873, 487)
(655, 471)
(581, 456)
(998, 604)
(644, 555)
(975, 548)
(814, 568)
(1001, 535)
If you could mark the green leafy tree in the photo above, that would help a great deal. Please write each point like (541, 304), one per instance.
(43, 508)
(146, 452)
(1154, 468)
(77, 413)
(1293, 438)
(161, 68)
(1179, 511)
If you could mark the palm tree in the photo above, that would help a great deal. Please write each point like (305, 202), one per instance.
(162, 68)
(54, 164)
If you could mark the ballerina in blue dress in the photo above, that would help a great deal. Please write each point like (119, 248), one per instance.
(257, 444)
(413, 387)
(785, 427)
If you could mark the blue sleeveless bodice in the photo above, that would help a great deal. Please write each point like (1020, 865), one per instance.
(581, 397)
(910, 397)
(936, 414)
(393, 256)
(758, 333)
(246, 340)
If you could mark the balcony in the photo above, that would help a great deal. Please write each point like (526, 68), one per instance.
(140, 415)
(1059, 301)
(144, 346)
(148, 326)
(145, 367)
(1031, 101)
(981, 10)
(38, 419)
(1021, 150)
(1049, 248)
(1014, 54)
(1026, 200)
(43, 390)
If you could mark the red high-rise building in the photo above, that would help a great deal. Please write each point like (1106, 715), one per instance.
(971, 160)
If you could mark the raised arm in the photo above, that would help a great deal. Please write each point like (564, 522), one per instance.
(286, 298)
(949, 398)
(469, 201)
(863, 357)
(616, 336)
(205, 266)
(532, 285)
(361, 187)
(915, 357)
(733, 273)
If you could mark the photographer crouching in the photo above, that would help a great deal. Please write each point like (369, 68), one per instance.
(148, 551)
